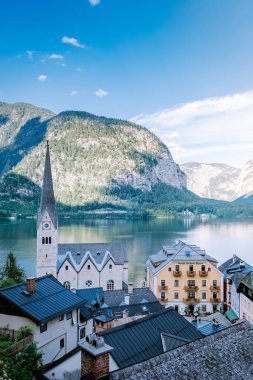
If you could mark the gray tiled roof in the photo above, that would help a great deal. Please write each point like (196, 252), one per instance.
(179, 251)
(49, 300)
(142, 338)
(115, 297)
(226, 355)
(47, 201)
(98, 253)
(248, 280)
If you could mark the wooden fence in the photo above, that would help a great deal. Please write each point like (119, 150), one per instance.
(17, 347)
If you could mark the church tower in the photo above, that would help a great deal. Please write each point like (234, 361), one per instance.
(47, 224)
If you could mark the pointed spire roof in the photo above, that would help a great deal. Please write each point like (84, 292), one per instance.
(47, 201)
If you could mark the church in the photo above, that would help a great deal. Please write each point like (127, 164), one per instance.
(76, 266)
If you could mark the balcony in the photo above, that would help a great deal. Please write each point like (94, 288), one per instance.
(162, 287)
(191, 288)
(191, 273)
(191, 300)
(203, 273)
(215, 287)
(215, 300)
(163, 299)
(177, 273)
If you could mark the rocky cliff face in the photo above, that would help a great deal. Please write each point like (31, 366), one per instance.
(89, 154)
(219, 181)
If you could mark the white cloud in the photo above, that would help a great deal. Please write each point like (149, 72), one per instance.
(94, 2)
(56, 56)
(209, 130)
(42, 77)
(30, 53)
(101, 93)
(72, 41)
(73, 93)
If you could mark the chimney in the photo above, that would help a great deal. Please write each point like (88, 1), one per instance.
(30, 285)
(130, 287)
(127, 298)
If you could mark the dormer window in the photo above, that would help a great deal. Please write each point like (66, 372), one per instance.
(98, 253)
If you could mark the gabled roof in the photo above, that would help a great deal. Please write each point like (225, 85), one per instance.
(142, 338)
(234, 269)
(222, 356)
(91, 296)
(47, 201)
(98, 253)
(248, 281)
(179, 251)
(138, 296)
(49, 300)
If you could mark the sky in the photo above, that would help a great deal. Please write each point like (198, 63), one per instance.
(183, 68)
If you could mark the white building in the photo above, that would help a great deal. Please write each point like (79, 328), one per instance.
(51, 310)
(75, 265)
(246, 297)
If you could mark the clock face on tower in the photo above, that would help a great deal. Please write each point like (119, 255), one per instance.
(46, 225)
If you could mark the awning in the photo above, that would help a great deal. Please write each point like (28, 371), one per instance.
(231, 315)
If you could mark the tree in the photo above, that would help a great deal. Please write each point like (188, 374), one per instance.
(11, 273)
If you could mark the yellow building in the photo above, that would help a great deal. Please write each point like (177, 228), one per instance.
(185, 277)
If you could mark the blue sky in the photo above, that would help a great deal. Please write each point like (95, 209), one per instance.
(126, 58)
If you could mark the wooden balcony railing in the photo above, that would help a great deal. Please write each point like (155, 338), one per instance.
(191, 300)
(215, 287)
(177, 273)
(163, 299)
(191, 273)
(162, 287)
(191, 288)
(203, 273)
(215, 300)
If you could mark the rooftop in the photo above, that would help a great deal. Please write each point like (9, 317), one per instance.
(49, 300)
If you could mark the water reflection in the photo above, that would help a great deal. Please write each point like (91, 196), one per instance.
(142, 238)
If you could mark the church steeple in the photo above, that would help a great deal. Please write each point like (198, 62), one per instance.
(47, 200)
(47, 223)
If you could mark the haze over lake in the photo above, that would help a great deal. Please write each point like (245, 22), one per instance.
(220, 239)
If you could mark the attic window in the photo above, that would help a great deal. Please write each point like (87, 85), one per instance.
(67, 267)
(78, 253)
(88, 267)
(110, 266)
(98, 253)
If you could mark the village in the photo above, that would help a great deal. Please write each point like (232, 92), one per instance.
(88, 320)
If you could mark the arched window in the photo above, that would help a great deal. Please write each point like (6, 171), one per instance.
(88, 267)
(110, 285)
(67, 284)
(50, 239)
(110, 266)
(43, 240)
(46, 240)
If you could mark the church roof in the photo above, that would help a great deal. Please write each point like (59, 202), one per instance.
(98, 253)
(47, 201)
(179, 251)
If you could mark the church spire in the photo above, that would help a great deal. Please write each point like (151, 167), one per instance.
(47, 201)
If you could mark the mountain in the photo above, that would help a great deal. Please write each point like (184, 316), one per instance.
(96, 161)
(219, 181)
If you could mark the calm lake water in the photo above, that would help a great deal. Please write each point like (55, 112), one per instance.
(220, 239)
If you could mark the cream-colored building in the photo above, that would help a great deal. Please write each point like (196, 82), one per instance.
(185, 277)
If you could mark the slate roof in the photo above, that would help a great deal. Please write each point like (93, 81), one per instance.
(98, 253)
(179, 251)
(47, 201)
(248, 280)
(139, 295)
(49, 300)
(226, 355)
(91, 296)
(141, 339)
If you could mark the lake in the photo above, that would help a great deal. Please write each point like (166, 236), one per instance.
(220, 239)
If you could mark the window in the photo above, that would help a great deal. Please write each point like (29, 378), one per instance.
(209, 269)
(43, 327)
(162, 282)
(61, 343)
(203, 308)
(215, 282)
(43, 240)
(203, 268)
(88, 283)
(46, 240)
(110, 266)
(162, 296)
(169, 269)
(203, 295)
(203, 282)
(191, 295)
(176, 295)
(67, 284)
(88, 267)
(110, 285)
(82, 332)
(177, 268)
(69, 314)
(61, 317)
(176, 283)
(190, 268)
(66, 267)
(49, 240)
(214, 295)
(191, 282)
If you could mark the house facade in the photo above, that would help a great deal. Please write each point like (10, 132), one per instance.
(246, 297)
(76, 266)
(51, 310)
(185, 277)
